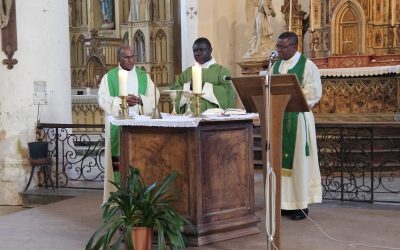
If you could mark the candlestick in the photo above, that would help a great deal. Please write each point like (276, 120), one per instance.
(196, 79)
(197, 105)
(124, 109)
(122, 79)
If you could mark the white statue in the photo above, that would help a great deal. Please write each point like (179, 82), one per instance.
(5, 14)
(261, 43)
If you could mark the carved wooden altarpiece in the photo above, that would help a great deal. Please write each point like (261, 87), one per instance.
(9, 37)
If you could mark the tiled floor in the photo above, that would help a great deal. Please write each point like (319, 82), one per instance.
(68, 225)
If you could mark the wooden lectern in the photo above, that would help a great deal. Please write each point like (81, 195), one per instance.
(286, 96)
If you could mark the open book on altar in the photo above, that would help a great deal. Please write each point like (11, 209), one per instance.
(223, 112)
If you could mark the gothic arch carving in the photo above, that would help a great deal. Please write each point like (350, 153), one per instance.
(160, 47)
(125, 39)
(348, 29)
(159, 74)
(73, 52)
(95, 70)
(80, 51)
(139, 45)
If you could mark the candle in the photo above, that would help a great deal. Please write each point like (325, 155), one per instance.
(290, 15)
(122, 79)
(196, 79)
(393, 20)
(312, 16)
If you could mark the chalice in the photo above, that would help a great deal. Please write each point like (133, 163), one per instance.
(189, 95)
(173, 93)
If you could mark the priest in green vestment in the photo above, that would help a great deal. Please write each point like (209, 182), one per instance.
(141, 100)
(216, 86)
(301, 178)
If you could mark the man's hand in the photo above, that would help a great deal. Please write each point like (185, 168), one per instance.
(133, 100)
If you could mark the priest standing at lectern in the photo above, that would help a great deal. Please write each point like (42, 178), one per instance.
(301, 178)
(140, 91)
(216, 85)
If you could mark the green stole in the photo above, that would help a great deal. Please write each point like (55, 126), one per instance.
(289, 126)
(113, 87)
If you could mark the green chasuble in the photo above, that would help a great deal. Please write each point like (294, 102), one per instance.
(289, 126)
(214, 74)
(113, 87)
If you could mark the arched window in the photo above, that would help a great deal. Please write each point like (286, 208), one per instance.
(139, 45)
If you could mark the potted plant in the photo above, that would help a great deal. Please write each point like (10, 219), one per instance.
(39, 148)
(138, 206)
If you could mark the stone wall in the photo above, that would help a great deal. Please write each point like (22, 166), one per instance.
(43, 55)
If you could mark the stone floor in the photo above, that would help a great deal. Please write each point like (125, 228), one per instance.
(68, 224)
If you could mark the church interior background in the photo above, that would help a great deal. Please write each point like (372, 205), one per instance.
(355, 44)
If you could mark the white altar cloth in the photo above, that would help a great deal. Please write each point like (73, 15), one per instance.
(176, 121)
(361, 71)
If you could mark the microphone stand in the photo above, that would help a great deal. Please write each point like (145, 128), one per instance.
(270, 180)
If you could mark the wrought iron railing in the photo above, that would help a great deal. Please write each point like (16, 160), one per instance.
(360, 162)
(78, 156)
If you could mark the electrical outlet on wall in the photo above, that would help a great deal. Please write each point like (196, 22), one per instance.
(39, 93)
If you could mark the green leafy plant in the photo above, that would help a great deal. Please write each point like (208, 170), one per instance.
(140, 205)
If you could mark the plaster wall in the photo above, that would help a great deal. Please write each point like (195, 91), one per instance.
(43, 55)
(226, 25)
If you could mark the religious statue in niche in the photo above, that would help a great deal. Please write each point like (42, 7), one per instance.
(107, 10)
(261, 44)
(5, 8)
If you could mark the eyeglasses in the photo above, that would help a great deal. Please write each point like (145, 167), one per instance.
(278, 46)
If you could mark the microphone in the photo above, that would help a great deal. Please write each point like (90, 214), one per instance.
(273, 55)
(226, 78)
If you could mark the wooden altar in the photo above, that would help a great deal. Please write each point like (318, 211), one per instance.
(215, 166)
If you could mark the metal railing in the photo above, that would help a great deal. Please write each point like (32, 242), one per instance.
(359, 162)
(78, 156)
